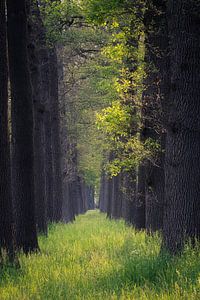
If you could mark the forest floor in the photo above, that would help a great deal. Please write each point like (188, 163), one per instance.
(95, 258)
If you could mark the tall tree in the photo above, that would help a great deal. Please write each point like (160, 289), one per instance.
(34, 31)
(182, 203)
(155, 99)
(22, 127)
(56, 138)
(44, 63)
(6, 230)
(67, 209)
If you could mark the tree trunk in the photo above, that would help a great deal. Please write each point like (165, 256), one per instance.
(109, 197)
(44, 64)
(68, 214)
(22, 127)
(90, 197)
(130, 196)
(68, 209)
(155, 102)
(105, 193)
(6, 218)
(140, 205)
(182, 207)
(56, 142)
(38, 109)
(116, 197)
(101, 204)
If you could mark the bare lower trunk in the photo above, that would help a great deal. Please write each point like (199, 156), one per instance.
(140, 205)
(155, 102)
(182, 204)
(55, 134)
(39, 110)
(6, 218)
(22, 127)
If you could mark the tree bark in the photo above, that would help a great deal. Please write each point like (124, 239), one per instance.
(44, 64)
(109, 197)
(68, 214)
(56, 141)
(155, 107)
(22, 127)
(38, 109)
(182, 204)
(140, 205)
(6, 211)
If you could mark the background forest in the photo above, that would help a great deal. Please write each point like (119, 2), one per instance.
(99, 108)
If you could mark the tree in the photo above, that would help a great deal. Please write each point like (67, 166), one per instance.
(182, 205)
(22, 127)
(34, 30)
(154, 101)
(6, 217)
(55, 133)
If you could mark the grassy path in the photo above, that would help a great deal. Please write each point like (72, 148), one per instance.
(95, 258)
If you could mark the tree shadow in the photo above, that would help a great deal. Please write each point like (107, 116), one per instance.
(159, 272)
(10, 272)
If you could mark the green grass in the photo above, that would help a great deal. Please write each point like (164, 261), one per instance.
(95, 258)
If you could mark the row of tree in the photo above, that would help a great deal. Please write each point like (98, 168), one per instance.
(157, 189)
(133, 65)
(34, 188)
(128, 68)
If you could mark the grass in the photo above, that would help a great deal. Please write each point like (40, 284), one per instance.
(95, 258)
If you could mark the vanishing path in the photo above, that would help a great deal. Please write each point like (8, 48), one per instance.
(95, 258)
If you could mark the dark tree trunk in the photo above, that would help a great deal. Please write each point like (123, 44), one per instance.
(48, 162)
(124, 196)
(103, 197)
(155, 102)
(116, 197)
(22, 127)
(78, 196)
(129, 190)
(135, 213)
(49, 165)
(68, 209)
(73, 197)
(6, 218)
(68, 213)
(84, 196)
(56, 141)
(90, 197)
(182, 210)
(109, 197)
(105, 194)
(43, 56)
(140, 205)
(101, 204)
(45, 109)
(155, 196)
(38, 109)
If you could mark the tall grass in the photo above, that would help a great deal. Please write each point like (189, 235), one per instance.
(95, 258)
